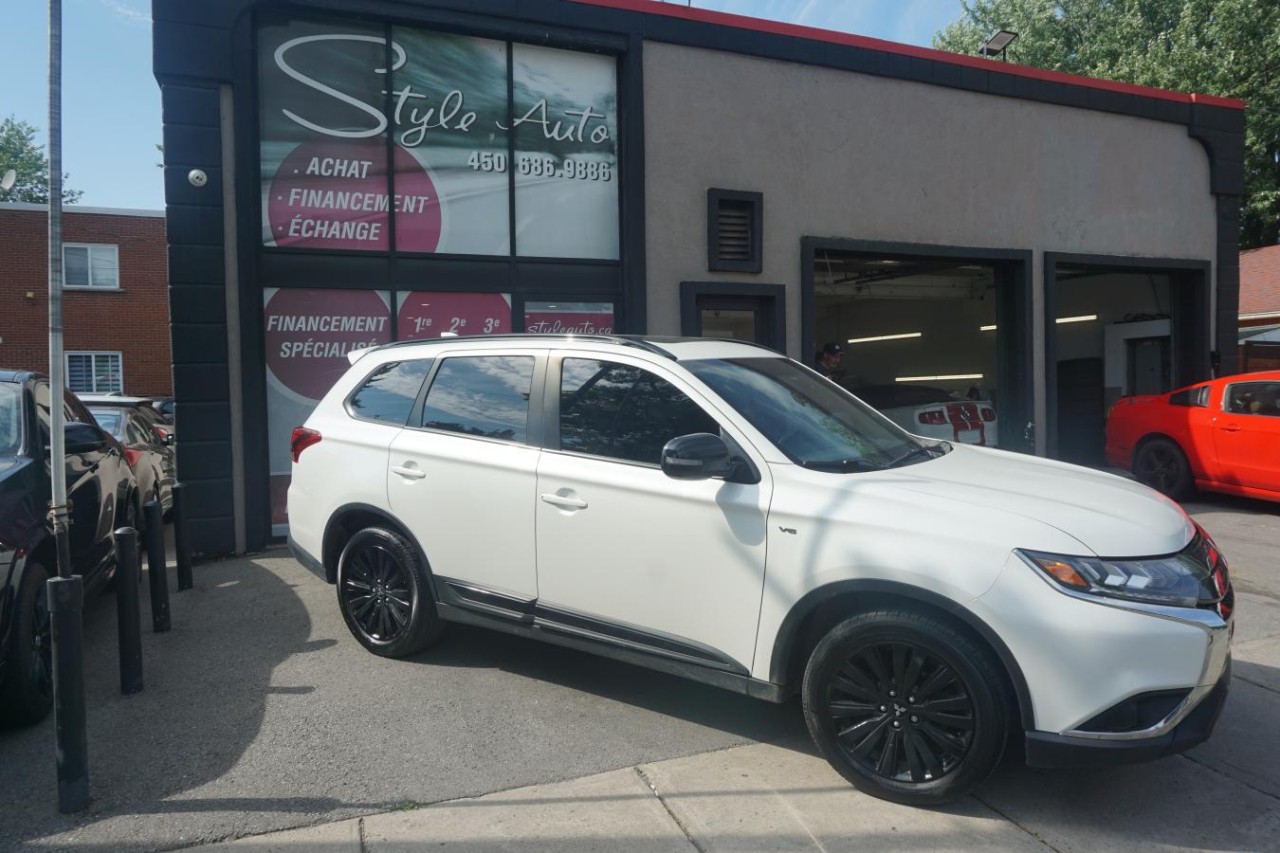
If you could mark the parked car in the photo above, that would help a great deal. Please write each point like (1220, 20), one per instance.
(1219, 436)
(934, 412)
(165, 406)
(148, 444)
(103, 496)
(717, 511)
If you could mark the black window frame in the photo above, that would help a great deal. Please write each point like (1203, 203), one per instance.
(1191, 398)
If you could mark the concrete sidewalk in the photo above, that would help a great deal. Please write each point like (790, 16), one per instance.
(750, 798)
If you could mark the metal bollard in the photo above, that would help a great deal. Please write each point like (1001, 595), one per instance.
(180, 543)
(157, 574)
(66, 610)
(127, 617)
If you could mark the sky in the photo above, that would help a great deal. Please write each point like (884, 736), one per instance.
(111, 103)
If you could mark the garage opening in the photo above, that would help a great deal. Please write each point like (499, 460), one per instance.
(1114, 331)
(936, 342)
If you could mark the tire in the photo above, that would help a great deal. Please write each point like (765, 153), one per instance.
(384, 595)
(1161, 464)
(27, 693)
(934, 747)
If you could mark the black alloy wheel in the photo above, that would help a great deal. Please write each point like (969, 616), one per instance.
(375, 591)
(907, 706)
(384, 594)
(1161, 464)
(901, 712)
(27, 693)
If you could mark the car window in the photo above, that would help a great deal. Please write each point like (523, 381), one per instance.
(1193, 397)
(624, 412)
(813, 421)
(390, 391)
(486, 396)
(113, 421)
(10, 418)
(1253, 398)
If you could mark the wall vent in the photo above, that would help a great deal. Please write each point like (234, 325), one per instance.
(734, 230)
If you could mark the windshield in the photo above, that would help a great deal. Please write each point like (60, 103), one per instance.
(112, 420)
(10, 418)
(812, 420)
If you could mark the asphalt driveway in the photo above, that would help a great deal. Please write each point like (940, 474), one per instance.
(260, 713)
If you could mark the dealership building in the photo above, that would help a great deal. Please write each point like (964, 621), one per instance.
(347, 172)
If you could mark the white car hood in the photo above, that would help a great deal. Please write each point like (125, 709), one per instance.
(1109, 515)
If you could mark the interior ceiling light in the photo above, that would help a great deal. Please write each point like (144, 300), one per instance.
(990, 328)
(903, 336)
(1083, 318)
(938, 378)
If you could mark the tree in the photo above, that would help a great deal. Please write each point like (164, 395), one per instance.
(1229, 48)
(19, 151)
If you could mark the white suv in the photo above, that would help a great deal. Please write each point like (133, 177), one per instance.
(717, 511)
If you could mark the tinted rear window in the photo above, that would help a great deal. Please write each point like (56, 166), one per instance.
(390, 391)
(896, 396)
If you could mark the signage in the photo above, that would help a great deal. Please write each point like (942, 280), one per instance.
(433, 315)
(340, 101)
(308, 334)
(569, 318)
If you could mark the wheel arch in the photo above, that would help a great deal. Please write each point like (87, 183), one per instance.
(1193, 460)
(822, 608)
(350, 518)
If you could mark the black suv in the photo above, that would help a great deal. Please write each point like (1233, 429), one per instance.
(103, 496)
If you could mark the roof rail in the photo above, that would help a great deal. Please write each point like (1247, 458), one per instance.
(624, 340)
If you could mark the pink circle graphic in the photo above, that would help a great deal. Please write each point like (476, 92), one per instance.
(308, 334)
(332, 194)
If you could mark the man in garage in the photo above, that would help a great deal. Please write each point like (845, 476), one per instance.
(827, 361)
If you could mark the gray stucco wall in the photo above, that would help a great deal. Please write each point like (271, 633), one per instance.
(838, 154)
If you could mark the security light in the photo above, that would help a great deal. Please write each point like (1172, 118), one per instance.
(997, 43)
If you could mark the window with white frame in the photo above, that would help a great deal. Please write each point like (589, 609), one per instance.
(95, 372)
(94, 267)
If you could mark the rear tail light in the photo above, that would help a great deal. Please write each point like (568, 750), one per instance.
(302, 439)
(934, 418)
(132, 455)
(162, 432)
(988, 415)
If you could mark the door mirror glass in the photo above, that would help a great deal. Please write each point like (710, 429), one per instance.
(83, 438)
(696, 457)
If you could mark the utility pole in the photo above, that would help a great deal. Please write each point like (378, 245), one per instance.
(66, 591)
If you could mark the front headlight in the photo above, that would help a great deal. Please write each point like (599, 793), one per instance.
(1194, 577)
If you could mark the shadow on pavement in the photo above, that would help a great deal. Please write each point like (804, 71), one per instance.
(201, 708)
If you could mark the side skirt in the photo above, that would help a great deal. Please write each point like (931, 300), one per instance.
(470, 605)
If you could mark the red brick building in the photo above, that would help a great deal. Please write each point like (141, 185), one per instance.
(116, 304)
(1260, 309)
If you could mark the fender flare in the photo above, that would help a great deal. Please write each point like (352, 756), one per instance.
(788, 632)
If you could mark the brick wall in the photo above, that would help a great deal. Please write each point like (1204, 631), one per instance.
(133, 321)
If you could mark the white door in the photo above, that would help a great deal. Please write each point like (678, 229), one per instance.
(462, 477)
(623, 546)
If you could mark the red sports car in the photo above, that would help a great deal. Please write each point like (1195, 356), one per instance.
(1220, 436)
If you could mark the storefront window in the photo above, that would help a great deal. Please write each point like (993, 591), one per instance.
(331, 93)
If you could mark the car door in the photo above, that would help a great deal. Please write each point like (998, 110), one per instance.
(462, 473)
(84, 493)
(624, 551)
(1247, 435)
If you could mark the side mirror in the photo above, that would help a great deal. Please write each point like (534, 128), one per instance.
(83, 438)
(699, 456)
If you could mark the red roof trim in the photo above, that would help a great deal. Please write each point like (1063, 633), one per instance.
(742, 22)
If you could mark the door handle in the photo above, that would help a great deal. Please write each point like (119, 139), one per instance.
(411, 473)
(1230, 428)
(562, 501)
